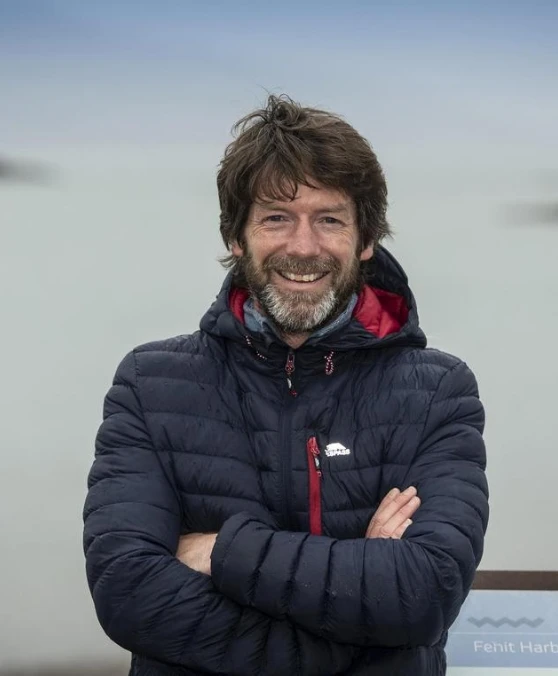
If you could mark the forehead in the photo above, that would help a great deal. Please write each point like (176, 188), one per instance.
(318, 198)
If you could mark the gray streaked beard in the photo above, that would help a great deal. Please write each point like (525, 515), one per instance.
(295, 312)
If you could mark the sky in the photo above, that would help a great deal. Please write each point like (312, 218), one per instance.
(171, 72)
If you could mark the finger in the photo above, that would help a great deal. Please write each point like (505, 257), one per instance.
(386, 511)
(391, 496)
(398, 533)
(398, 519)
(387, 508)
(385, 529)
(388, 498)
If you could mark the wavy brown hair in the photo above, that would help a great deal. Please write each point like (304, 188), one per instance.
(285, 145)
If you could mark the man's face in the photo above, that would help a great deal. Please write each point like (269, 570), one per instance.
(301, 258)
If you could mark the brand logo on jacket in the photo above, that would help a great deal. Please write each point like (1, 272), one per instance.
(336, 449)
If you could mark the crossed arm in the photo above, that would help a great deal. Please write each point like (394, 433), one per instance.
(333, 595)
(390, 520)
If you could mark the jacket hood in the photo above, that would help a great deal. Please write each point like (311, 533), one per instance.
(385, 314)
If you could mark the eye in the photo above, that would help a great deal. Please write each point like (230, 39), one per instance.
(275, 218)
(329, 220)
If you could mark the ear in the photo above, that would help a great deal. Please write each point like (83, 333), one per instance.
(367, 252)
(237, 250)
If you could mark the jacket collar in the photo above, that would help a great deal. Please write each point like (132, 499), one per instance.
(385, 313)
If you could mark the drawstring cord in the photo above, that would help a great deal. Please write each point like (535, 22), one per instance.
(249, 343)
(329, 365)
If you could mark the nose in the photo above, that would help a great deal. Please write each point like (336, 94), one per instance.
(303, 240)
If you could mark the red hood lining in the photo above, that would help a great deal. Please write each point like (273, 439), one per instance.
(379, 312)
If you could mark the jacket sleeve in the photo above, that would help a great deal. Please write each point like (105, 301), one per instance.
(146, 600)
(379, 592)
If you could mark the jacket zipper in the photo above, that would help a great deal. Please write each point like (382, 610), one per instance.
(314, 486)
(289, 370)
(285, 442)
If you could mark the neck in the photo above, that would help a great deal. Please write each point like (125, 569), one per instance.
(295, 340)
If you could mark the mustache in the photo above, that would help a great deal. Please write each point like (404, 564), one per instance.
(301, 266)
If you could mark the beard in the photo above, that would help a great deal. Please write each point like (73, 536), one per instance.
(295, 312)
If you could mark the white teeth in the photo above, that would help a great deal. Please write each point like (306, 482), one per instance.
(301, 278)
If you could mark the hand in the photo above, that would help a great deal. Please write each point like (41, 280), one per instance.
(195, 549)
(393, 516)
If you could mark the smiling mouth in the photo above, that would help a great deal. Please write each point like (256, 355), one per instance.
(305, 279)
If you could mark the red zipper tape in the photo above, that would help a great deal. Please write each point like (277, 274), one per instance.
(315, 486)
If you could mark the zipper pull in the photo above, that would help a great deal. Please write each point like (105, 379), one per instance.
(289, 370)
(315, 451)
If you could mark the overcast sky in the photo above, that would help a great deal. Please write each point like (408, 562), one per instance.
(421, 80)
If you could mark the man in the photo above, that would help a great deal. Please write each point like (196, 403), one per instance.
(298, 487)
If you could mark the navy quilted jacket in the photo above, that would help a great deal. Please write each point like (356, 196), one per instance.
(287, 455)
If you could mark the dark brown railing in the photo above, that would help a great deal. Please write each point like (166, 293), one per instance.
(533, 580)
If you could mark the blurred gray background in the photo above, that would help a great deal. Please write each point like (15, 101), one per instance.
(113, 119)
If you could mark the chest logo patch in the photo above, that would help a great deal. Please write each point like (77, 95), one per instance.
(336, 449)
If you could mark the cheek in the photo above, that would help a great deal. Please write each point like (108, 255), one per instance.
(342, 244)
(260, 252)
(346, 254)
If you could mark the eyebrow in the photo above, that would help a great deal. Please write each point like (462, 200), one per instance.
(331, 209)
